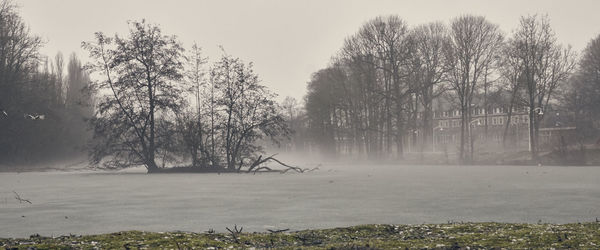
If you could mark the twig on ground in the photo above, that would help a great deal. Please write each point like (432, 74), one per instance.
(235, 232)
(21, 200)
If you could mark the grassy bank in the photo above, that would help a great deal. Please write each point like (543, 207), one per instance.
(437, 236)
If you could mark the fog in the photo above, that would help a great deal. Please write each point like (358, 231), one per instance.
(381, 113)
(87, 202)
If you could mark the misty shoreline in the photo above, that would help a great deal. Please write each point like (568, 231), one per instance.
(84, 167)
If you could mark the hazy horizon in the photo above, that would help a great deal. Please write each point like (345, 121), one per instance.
(286, 40)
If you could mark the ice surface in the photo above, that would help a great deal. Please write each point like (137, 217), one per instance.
(97, 202)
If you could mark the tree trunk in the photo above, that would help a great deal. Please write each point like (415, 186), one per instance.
(463, 119)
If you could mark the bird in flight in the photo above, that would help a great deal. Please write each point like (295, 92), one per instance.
(3, 112)
(35, 117)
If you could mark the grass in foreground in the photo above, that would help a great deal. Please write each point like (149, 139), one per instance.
(432, 236)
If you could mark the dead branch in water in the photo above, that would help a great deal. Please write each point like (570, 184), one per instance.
(260, 168)
(21, 200)
(260, 160)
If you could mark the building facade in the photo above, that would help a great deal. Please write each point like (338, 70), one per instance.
(487, 130)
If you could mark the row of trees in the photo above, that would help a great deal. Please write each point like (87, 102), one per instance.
(147, 83)
(380, 90)
(43, 104)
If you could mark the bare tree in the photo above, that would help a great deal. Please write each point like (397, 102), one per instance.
(249, 112)
(19, 53)
(323, 104)
(141, 73)
(474, 44)
(77, 94)
(511, 72)
(545, 64)
(382, 47)
(192, 125)
(19, 60)
(59, 65)
(430, 66)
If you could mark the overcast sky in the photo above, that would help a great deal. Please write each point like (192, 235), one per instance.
(286, 40)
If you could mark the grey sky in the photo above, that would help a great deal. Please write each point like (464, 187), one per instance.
(286, 40)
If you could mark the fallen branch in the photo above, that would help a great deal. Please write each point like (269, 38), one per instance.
(297, 169)
(313, 169)
(235, 232)
(266, 168)
(21, 200)
(261, 161)
(316, 168)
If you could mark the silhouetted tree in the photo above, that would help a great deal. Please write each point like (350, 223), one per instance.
(545, 64)
(475, 41)
(142, 73)
(195, 129)
(248, 111)
(429, 66)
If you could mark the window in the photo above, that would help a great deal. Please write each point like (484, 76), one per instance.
(500, 120)
(456, 123)
(444, 124)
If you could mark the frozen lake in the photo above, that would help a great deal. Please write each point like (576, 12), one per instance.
(98, 202)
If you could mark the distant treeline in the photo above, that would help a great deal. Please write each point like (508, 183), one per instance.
(43, 104)
(382, 88)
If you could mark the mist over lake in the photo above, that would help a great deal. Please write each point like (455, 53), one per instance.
(438, 124)
(99, 202)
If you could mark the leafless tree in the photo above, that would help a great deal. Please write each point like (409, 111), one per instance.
(545, 64)
(377, 60)
(19, 53)
(430, 66)
(511, 72)
(192, 125)
(475, 41)
(249, 112)
(141, 73)
(59, 65)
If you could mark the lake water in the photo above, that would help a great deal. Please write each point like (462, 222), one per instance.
(100, 202)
